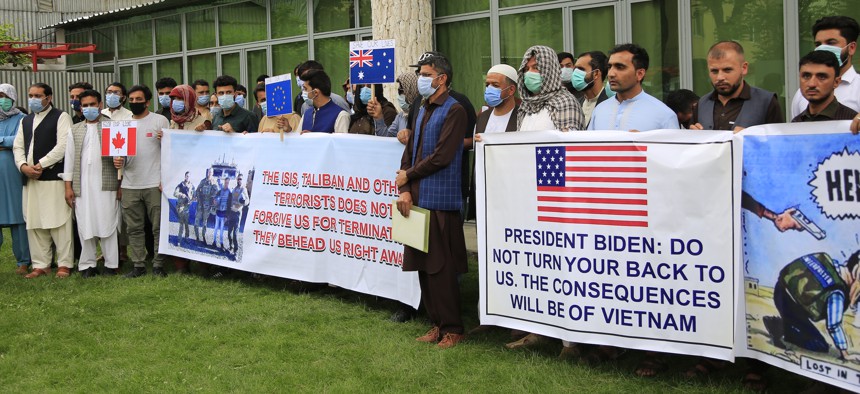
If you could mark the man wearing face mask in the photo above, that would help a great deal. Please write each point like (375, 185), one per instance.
(183, 114)
(546, 104)
(566, 60)
(75, 90)
(430, 175)
(361, 122)
(163, 86)
(313, 65)
(201, 89)
(587, 78)
(836, 34)
(501, 86)
(141, 183)
(49, 219)
(233, 118)
(241, 95)
(407, 93)
(323, 115)
(91, 189)
(115, 96)
(11, 214)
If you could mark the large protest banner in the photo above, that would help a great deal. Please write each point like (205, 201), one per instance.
(801, 234)
(617, 238)
(315, 207)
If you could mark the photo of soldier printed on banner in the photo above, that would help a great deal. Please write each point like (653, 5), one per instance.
(801, 234)
(209, 206)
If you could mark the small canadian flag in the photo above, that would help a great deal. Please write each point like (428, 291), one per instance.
(119, 138)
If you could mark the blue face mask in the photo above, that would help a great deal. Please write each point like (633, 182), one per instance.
(240, 100)
(365, 95)
(226, 101)
(308, 100)
(566, 73)
(91, 113)
(609, 92)
(203, 100)
(834, 50)
(6, 104)
(112, 100)
(35, 105)
(493, 96)
(425, 86)
(263, 107)
(178, 106)
(215, 111)
(164, 100)
(404, 105)
(76, 105)
(577, 79)
(350, 98)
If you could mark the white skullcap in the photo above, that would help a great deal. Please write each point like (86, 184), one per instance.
(505, 70)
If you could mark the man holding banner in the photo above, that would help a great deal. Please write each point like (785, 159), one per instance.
(430, 176)
(91, 188)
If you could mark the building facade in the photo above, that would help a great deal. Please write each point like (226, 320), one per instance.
(189, 39)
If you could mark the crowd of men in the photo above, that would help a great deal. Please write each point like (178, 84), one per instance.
(55, 182)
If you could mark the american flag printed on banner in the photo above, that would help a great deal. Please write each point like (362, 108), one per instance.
(598, 184)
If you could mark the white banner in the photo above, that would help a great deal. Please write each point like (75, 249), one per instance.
(315, 207)
(801, 220)
(616, 238)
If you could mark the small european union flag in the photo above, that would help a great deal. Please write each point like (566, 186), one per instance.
(279, 95)
(371, 62)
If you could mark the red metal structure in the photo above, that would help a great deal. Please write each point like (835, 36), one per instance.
(46, 50)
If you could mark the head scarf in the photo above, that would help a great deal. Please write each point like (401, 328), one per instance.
(565, 111)
(409, 84)
(185, 93)
(10, 92)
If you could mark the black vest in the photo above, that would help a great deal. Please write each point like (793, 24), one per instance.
(47, 132)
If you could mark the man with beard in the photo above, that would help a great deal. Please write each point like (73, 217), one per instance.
(734, 104)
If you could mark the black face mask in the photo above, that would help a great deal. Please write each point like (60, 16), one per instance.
(137, 108)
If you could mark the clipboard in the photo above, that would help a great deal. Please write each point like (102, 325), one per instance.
(413, 231)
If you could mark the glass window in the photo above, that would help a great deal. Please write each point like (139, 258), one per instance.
(285, 57)
(231, 65)
(171, 68)
(519, 32)
(241, 23)
(168, 34)
(810, 11)
(333, 15)
(146, 77)
(200, 29)
(470, 62)
(202, 67)
(126, 76)
(81, 37)
(512, 3)
(655, 26)
(333, 53)
(257, 65)
(593, 29)
(103, 69)
(758, 27)
(365, 13)
(104, 40)
(454, 7)
(134, 40)
(289, 18)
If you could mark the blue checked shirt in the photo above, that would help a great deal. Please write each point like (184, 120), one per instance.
(835, 305)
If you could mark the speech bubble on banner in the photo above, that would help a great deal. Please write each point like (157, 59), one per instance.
(836, 185)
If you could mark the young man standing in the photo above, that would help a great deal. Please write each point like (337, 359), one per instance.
(141, 184)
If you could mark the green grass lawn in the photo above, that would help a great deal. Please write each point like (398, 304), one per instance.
(188, 333)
